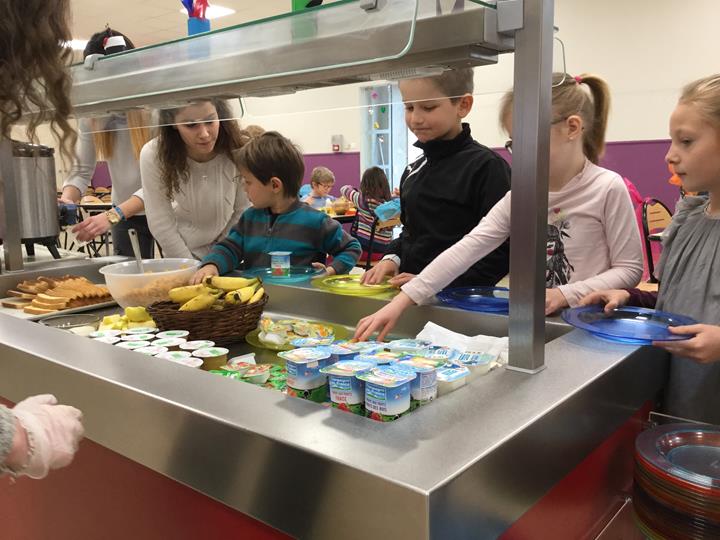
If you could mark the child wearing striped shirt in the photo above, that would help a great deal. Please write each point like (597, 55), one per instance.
(374, 190)
(272, 170)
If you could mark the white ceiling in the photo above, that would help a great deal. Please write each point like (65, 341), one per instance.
(147, 22)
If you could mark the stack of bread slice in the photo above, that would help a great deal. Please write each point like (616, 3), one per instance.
(47, 295)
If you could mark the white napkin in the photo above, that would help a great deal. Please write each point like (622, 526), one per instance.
(494, 346)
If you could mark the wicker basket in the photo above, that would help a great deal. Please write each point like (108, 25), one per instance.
(230, 325)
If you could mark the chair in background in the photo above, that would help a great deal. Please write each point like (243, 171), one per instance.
(655, 219)
(365, 260)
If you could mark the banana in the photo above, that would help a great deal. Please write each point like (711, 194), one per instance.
(181, 295)
(257, 296)
(199, 303)
(229, 284)
(137, 314)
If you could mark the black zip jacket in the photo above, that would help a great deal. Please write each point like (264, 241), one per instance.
(443, 196)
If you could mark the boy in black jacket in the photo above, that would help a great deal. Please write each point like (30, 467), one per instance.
(445, 193)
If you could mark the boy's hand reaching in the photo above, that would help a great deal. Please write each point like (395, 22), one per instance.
(379, 272)
(612, 298)
(329, 270)
(703, 348)
(205, 271)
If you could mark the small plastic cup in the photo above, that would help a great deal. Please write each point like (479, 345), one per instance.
(280, 263)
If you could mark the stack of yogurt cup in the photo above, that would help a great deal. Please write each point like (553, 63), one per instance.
(379, 380)
(171, 345)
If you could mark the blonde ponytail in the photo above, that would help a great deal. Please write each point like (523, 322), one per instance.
(138, 124)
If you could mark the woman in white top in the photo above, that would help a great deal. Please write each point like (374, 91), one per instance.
(192, 198)
(118, 141)
(593, 238)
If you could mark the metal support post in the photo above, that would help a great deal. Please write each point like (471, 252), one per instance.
(530, 169)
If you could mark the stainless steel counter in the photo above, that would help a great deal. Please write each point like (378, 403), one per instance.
(466, 466)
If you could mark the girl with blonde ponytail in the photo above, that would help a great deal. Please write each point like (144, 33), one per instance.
(117, 140)
(592, 235)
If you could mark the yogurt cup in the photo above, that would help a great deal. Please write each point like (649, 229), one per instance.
(238, 367)
(138, 337)
(339, 353)
(187, 361)
(280, 263)
(407, 346)
(152, 350)
(303, 367)
(110, 340)
(173, 334)
(312, 341)
(212, 357)
(132, 345)
(450, 378)
(258, 374)
(361, 347)
(173, 344)
(141, 330)
(424, 387)
(387, 391)
(381, 357)
(105, 333)
(197, 344)
(445, 354)
(347, 392)
(174, 355)
(478, 363)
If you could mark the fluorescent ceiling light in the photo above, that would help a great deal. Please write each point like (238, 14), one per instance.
(214, 11)
(76, 44)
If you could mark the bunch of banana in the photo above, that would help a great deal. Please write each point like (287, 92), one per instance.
(246, 295)
(209, 294)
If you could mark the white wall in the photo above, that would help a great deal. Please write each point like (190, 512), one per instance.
(645, 49)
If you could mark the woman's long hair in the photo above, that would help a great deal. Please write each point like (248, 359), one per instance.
(172, 152)
(34, 71)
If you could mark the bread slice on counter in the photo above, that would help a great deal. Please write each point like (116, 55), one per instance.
(39, 311)
(15, 303)
(47, 295)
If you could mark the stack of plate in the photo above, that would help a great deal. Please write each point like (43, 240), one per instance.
(296, 274)
(677, 481)
(485, 299)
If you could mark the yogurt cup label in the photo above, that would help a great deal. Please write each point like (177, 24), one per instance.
(197, 344)
(311, 341)
(112, 340)
(305, 355)
(169, 342)
(210, 352)
(138, 337)
(280, 263)
(173, 334)
(175, 355)
(387, 400)
(152, 350)
(141, 330)
(105, 333)
(346, 389)
(132, 344)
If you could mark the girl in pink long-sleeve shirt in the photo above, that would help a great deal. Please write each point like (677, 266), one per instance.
(593, 239)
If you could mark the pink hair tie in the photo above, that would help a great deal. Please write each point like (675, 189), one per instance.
(578, 79)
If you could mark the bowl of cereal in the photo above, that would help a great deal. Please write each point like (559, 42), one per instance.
(131, 288)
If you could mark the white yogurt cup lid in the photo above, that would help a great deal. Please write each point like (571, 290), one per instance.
(173, 334)
(174, 355)
(305, 355)
(132, 345)
(197, 344)
(450, 374)
(112, 340)
(152, 350)
(138, 337)
(105, 333)
(210, 352)
(141, 330)
(187, 361)
(169, 342)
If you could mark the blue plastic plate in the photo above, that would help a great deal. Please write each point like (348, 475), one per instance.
(639, 326)
(297, 274)
(485, 299)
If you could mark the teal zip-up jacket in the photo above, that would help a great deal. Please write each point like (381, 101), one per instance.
(309, 235)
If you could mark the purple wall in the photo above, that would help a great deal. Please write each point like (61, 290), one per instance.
(641, 162)
(345, 165)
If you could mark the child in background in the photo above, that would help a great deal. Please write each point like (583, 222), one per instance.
(593, 239)
(322, 181)
(690, 262)
(450, 188)
(272, 169)
(374, 190)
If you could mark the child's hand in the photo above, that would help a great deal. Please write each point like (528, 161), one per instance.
(703, 348)
(329, 270)
(612, 298)
(383, 320)
(378, 272)
(205, 271)
(401, 279)
(554, 301)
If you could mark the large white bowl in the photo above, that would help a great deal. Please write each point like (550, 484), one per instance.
(130, 288)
